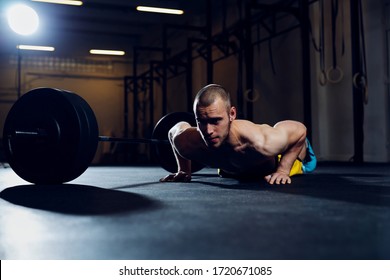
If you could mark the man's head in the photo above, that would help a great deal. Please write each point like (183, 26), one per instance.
(214, 114)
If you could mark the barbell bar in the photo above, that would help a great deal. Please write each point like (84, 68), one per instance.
(42, 133)
(51, 136)
(134, 141)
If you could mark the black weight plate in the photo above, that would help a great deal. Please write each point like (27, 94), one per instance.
(89, 132)
(164, 151)
(54, 158)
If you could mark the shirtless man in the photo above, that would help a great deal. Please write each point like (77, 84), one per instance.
(238, 147)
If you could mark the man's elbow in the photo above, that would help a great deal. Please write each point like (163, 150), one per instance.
(303, 131)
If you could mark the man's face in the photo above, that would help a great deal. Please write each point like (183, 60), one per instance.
(214, 122)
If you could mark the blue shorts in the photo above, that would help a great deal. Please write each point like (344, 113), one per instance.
(310, 161)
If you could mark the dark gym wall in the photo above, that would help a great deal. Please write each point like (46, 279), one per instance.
(277, 81)
(332, 104)
(101, 84)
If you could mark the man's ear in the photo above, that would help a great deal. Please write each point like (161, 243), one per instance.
(232, 113)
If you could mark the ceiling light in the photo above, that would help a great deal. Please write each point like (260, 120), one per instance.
(22, 19)
(35, 48)
(160, 10)
(63, 2)
(106, 52)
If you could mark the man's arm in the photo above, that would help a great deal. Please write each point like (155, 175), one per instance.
(177, 139)
(286, 138)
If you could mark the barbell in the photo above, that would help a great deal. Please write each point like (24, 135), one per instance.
(51, 136)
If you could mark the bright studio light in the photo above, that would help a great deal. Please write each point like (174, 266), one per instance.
(62, 2)
(22, 19)
(35, 48)
(159, 10)
(106, 52)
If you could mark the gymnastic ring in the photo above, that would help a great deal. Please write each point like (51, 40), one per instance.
(360, 82)
(322, 78)
(255, 96)
(331, 72)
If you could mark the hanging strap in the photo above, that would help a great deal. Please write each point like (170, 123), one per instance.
(319, 47)
(334, 73)
(335, 11)
(323, 77)
(360, 78)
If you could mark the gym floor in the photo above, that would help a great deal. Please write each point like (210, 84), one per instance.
(341, 211)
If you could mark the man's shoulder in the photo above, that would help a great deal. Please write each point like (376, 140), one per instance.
(191, 131)
(251, 132)
(244, 125)
(190, 135)
(189, 143)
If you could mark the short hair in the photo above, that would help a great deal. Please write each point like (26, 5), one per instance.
(209, 94)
